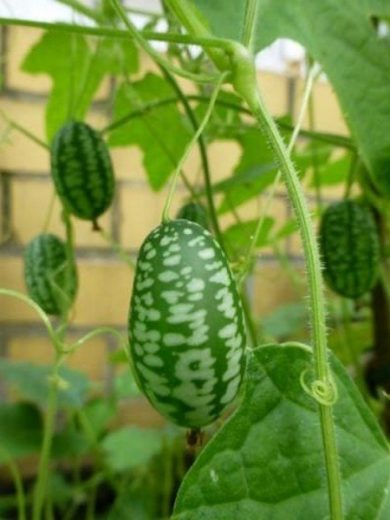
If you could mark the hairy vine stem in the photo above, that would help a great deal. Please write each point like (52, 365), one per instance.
(243, 74)
(249, 91)
(252, 246)
(241, 67)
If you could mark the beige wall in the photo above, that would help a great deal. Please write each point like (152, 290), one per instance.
(105, 282)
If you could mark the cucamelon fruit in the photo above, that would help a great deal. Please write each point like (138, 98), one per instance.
(350, 248)
(82, 171)
(50, 281)
(194, 212)
(186, 326)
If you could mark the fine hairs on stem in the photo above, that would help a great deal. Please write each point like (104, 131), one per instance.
(244, 80)
(241, 70)
(313, 74)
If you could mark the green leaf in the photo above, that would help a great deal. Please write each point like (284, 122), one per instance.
(134, 502)
(267, 461)
(32, 383)
(161, 133)
(312, 153)
(59, 490)
(64, 57)
(224, 122)
(110, 57)
(334, 172)
(352, 345)
(245, 186)
(131, 447)
(69, 444)
(99, 412)
(285, 321)
(341, 37)
(255, 171)
(238, 236)
(288, 228)
(125, 386)
(21, 430)
(76, 70)
(131, 506)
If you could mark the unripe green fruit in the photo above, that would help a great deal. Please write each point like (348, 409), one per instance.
(194, 212)
(82, 171)
(186, 325)
(50, 281)
(350, 248)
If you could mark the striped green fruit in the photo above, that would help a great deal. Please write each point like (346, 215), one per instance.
(50, 283)
(194, 212)
(82, 171)
(350, 248)
(186, 326)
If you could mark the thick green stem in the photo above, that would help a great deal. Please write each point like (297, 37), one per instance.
(186, 13)
(317, 305)
(251, 249)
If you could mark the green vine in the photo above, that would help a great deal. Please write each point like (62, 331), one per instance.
(245, 83)
(233, 62)
(252, 246)
(323, 382)
(165, 215)
(203, 157)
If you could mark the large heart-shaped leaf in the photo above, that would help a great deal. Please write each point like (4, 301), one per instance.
(267, 462)
(76, 69)
(340, 35)
(161, 133)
